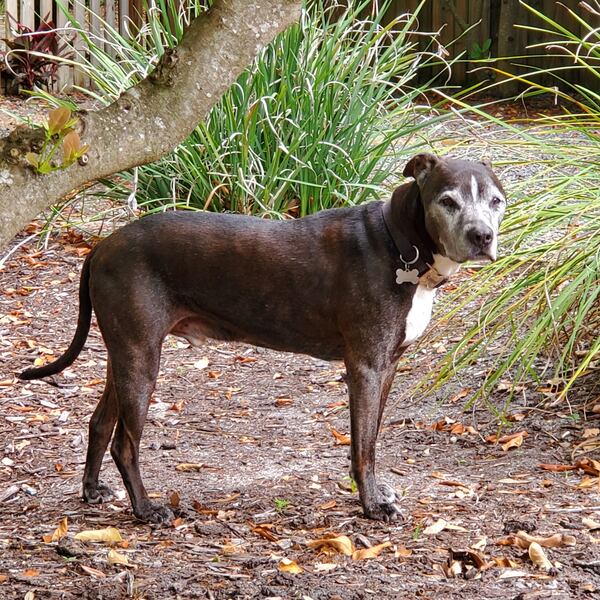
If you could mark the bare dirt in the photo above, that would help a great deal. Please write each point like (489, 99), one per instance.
(260, 435)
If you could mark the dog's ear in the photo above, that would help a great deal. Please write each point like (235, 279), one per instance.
(420, 166)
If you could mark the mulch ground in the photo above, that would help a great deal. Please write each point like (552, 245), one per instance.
(249, 447)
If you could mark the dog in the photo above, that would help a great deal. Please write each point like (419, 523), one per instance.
(353, 284)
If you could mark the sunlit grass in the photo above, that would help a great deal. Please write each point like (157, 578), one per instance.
(536, 311)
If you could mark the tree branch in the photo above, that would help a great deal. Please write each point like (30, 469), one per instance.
(151, 118)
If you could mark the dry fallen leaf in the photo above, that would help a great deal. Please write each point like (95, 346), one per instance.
(264, 530)
(505, 563)
(516, 417)
(464, 392)
(190, 466)
(558, 540)
(403, 552)
(283, 401)
(590, 466)
(538, 557)
(514, 442)
(453, 569)
(371, 552)
(289, 566)
(503, 439)
(556, 468)
(60, 531)
(590, 523)
(507, 386)
(93, 572)
(341, 544)
(201, 364)
(480, 544)
(436, 527)
(31, 573)
(178, 522)
(3, 578)
(342, 439)
(177, 406)
(116, 558)
(513, 574)
(524, 540)
(590, 432)
(109, 535)
(324, 567)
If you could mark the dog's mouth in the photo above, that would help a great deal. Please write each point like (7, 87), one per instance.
(477, 257)
(485, 257)
(481, 255)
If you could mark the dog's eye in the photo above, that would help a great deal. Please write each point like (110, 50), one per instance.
(497, 202)
(448, 203)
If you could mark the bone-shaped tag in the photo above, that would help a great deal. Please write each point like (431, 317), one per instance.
(403, 276)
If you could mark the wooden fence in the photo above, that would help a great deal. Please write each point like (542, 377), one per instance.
(496, 22)
(493, 24)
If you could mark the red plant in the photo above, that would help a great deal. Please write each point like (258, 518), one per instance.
(31, 58)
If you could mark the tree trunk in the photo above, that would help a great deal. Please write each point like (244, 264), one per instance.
(151, 118)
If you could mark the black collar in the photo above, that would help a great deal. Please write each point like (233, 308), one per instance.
(415, 269)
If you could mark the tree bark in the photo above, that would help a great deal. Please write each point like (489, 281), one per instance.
(151, 118)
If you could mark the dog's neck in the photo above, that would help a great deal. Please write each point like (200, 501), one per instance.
(408, 216)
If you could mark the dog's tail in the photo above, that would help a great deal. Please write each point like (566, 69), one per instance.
(81, 333)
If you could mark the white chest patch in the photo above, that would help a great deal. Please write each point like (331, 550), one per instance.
(419, 314)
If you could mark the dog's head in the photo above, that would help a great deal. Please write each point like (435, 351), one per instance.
(464, 204)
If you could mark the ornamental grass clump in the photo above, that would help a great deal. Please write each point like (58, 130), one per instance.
(323, 117)
(537, 309)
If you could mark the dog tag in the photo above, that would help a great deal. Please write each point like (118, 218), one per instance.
(403, 276)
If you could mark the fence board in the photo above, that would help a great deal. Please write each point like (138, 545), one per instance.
(12, 14)
(124, 24)
(27, 13)
(95, 28)
(64, 77)
(110, 17)
(46, 10)
(78, 11)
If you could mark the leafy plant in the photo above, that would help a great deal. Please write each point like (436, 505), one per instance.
(33, 57)
(541, 311)
(480, 52)
(352, 483)
(321, 119)
(281, 504)
(59, 132)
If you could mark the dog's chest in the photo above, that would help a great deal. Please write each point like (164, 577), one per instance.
(419, 314)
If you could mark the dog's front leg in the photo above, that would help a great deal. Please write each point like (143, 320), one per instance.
(368, 388)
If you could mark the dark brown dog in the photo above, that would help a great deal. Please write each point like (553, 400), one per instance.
(355, 284)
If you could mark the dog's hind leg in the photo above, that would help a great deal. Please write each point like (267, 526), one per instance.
(101, 428)
(134, 381)
(368, 388)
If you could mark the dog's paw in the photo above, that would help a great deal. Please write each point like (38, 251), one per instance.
(97, 493)
(153, 513)
(385, 507)
(383, 511)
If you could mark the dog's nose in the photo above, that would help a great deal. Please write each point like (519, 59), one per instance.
(480, 236)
